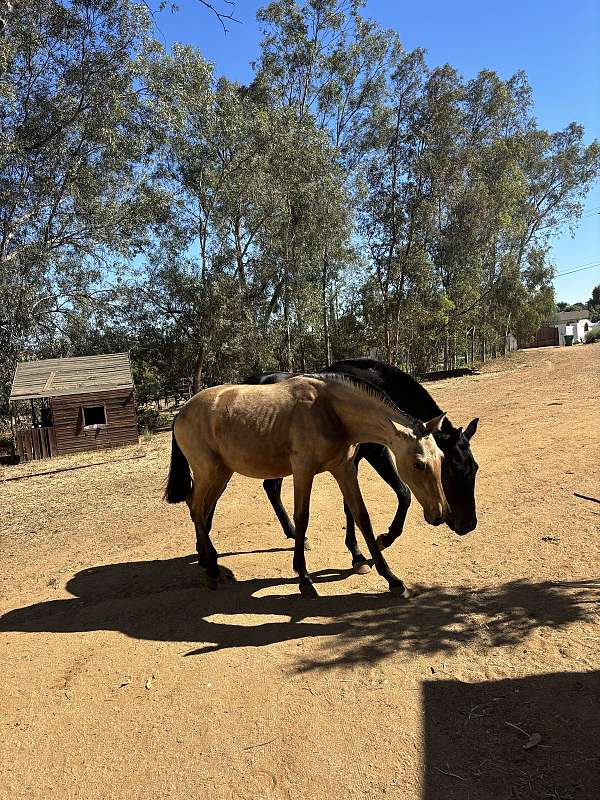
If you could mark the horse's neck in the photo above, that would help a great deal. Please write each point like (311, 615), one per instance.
(365, 418)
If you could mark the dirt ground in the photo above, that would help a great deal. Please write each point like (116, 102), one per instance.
(122, 677)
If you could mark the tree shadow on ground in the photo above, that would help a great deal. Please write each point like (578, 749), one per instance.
(163, 600)
(474, 752)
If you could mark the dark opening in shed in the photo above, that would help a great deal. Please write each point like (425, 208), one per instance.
(94, 415)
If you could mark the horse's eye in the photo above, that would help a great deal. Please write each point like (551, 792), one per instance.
(420, 465)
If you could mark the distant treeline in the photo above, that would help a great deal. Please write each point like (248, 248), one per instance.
(349, 200)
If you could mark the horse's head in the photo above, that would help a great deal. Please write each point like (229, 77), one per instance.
(419, 463)
(459, 469)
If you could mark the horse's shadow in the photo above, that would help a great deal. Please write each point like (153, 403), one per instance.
(164, 600)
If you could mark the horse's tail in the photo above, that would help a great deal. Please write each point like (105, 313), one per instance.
(179, 481)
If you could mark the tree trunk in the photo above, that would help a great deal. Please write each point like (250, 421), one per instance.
(327, 342)
(446, 348)
(288, 339)
(198, 371)
(506, 332)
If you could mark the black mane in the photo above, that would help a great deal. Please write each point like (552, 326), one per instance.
(403, 390)
(372, 389)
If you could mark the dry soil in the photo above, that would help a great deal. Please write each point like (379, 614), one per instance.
(123, 677)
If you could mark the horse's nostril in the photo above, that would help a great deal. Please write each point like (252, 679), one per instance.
(462, 529)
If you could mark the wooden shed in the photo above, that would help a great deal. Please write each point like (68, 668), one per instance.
(68, 405)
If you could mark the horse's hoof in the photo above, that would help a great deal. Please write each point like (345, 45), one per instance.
(362, 568)
(308, 590)
(380, 543)
(307, 544)
(400, 590)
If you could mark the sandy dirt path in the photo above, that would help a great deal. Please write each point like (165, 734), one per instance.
(122, 677)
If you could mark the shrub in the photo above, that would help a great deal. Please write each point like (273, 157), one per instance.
(149, 419)
(593, 335)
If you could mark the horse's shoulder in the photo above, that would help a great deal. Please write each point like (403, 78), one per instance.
(303, 388)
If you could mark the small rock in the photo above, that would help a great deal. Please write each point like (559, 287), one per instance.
(534, 739)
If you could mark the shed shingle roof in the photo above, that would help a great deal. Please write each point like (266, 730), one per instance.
(61, 376)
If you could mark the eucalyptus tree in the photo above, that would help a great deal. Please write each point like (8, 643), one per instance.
(461, 193)
(593, 304)
(259, 199)
(303, 243)
(327, 65)
(74, 147)
(323, 60)
(393, 193)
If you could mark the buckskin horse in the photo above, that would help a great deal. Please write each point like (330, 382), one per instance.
(459, 467)
(301, 426)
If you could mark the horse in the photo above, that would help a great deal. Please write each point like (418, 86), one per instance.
(459, 468)
(302, 426)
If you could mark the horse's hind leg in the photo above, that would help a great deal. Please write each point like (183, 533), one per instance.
(359, 562)
(272, 488)
(303, 481)
(380, 459)
(204, 496)
(202, 559)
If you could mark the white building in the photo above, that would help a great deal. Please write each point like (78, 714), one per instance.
(577, 330)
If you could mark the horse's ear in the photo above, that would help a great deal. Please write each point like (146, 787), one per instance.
(398, 426)
(435, 424)
(471, 428)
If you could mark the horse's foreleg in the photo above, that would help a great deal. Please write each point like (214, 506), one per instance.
(380, 459)
(359, 562)
(348, 483)
(303, 481)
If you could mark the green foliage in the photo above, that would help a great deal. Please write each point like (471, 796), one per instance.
(75, 136)
(593, 304)
(593, 335)
(149, 419)
(350, 200)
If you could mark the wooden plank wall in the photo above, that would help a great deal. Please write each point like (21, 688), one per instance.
(121, 421)
(36, 443)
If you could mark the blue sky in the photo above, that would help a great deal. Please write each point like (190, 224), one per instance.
(555, 42)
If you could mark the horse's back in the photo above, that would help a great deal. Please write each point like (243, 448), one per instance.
(253, 429)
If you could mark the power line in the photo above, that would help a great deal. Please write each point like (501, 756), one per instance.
(585, 264)
(578, 269)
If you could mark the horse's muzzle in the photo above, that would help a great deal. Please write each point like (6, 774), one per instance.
(462, 528)
(437, 520)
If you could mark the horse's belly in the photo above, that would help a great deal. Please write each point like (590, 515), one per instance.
(255, 457)
(260, 467)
